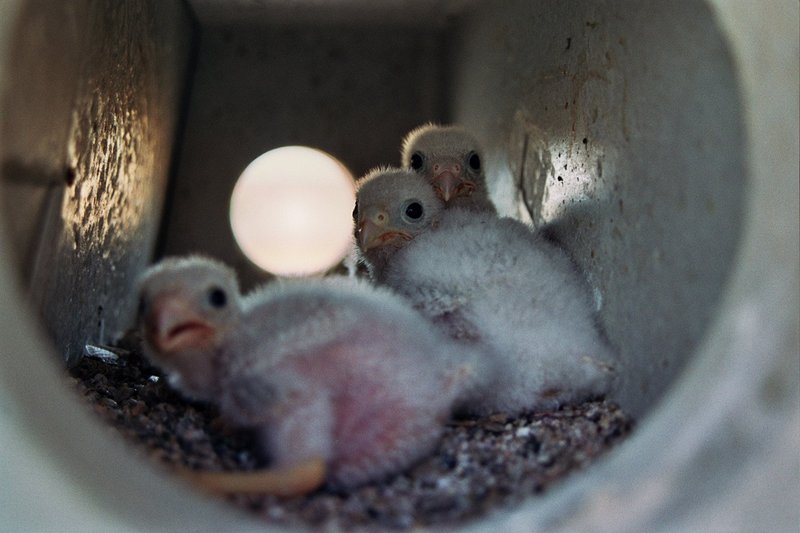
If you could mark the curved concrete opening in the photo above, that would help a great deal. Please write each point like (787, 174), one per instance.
(657, 143)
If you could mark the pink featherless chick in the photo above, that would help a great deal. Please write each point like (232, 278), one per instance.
(342, 382)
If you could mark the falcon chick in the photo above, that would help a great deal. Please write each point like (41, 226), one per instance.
(342, 381)
(186, 308)
(494, 284)
(385, 222)
(451, 159)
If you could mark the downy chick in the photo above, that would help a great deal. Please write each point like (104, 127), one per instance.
(342, 381)
(494, 284)
(451, 159)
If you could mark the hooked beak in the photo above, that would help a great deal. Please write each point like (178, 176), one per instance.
(172, 326)
(367, 233)
(449, 185)
(373, 233)
(446, 184)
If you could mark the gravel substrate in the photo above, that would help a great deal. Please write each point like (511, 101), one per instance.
(481, 464)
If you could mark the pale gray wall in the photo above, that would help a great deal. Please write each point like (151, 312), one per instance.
(650, 206)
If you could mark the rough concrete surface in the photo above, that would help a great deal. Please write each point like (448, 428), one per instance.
(90, 121)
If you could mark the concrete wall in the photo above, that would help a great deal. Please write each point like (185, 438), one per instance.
(90, 119)
(617, 126)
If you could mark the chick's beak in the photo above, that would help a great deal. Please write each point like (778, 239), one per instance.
(374, 230)
(172, 326)
(448, 175)
(370, 228)
(445, 183)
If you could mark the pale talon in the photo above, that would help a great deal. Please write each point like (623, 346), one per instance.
(288, 482)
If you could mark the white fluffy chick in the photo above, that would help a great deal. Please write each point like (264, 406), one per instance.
(451, 159)
(386, 223)
(496, 285)
(187, 306)
(341, 380)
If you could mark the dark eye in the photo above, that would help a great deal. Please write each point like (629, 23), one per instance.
(355, 211)
(416, 160)
(414, 210)
(217, 297)
(474, 161)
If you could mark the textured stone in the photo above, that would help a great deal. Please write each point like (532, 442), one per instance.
(89, 135)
